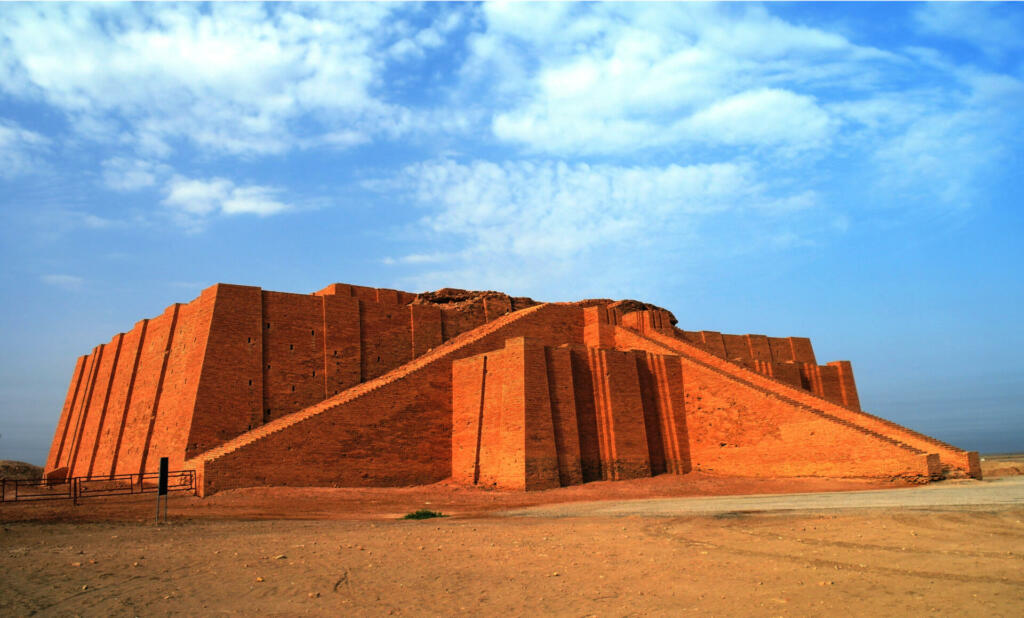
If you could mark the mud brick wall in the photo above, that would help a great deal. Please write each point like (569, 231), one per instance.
(744, 432)
(112, 435)
(396, 432)
(591, 414)
(561, 395)
(661, 383)
(950, 456)
(619, 416)
(343, 356)
(230, 395)
(457, 321)
(132, 398)
(503, 433)
(293, 352)
(93, 412)
(847, 385)
(355, 386)
(186, 357)
(204, 372)
(61, 436)
(386, 338)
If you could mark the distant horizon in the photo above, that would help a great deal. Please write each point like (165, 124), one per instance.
(846, 172)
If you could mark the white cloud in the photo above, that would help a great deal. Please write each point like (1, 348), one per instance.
(522, 221)
(124, 174)
(193, 201)
(767, 117)
(615, 79)
(66, 282)
(20, 149)
(229, 78)
(994, 28)
(253, 200)
(936, 158)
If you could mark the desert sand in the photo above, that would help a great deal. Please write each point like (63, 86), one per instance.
(352, 555)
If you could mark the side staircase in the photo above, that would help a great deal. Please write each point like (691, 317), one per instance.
(442, 353)
(954, 461)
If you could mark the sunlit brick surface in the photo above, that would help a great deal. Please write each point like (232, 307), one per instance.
(358, 386)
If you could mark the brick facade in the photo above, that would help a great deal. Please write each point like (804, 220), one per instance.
(358, 386)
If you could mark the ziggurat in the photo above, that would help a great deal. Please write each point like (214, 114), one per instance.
(354, 386)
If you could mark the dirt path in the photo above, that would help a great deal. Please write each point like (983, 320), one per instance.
(1007, 491)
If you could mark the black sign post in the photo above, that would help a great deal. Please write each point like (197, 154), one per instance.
(162, 489)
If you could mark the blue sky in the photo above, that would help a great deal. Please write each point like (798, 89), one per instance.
(846, 172)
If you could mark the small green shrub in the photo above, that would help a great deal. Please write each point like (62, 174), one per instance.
(423, 514)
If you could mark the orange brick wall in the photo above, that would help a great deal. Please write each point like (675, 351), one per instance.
(736, 346)
(759, 348)
(744, 432)
(501, 407)
(468, 388)
(661, 382)
(148, 381)
(60, 438)
(555, 396)
(620, 418)
(93, 423)
(181, 382)
(386, 331)
(426, 328)
(397, 433)
(847, 385)
(207, 371)
(950, 456)
(343, 364)
(112, 435)
(81, 413)
(293, 352)
(587, 409)
(229, 399)
(561, 394)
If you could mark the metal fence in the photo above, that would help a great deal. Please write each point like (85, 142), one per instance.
(79, 487)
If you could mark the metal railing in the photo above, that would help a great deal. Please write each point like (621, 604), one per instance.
(78, 487)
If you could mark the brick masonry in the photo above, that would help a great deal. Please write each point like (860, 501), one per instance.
(358, 386)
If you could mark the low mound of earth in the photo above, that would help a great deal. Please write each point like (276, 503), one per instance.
(1002, 464)
(19, 471)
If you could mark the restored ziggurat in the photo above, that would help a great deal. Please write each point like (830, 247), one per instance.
(354, 386)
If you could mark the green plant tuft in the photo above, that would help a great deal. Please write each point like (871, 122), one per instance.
(423, 514)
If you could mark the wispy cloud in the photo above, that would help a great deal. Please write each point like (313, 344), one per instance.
(193, 201)
(20, 149)
(229, 78)
(66, 282)
(994, 28)
(616, 79)
(124, 174)
(527, 221)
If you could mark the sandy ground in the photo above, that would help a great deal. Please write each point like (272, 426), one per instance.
(1002, 464)
(352, 556)
(867, 563)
